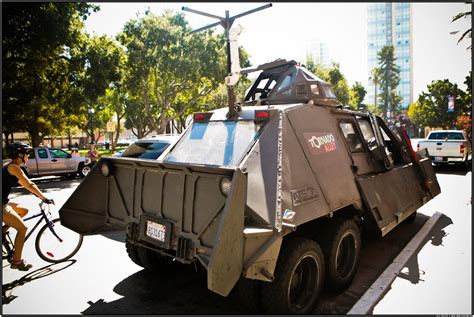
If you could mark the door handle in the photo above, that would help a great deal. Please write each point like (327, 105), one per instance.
(54, 160)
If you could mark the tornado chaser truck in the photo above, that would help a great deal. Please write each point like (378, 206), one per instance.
(274, 196)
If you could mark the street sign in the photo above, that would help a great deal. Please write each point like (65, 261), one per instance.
(110, 126)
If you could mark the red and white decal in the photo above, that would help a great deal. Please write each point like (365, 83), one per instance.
(320, 142)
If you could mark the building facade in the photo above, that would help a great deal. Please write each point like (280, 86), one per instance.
(391, 24)
(319, 52)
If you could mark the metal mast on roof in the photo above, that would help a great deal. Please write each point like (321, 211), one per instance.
(226, 22)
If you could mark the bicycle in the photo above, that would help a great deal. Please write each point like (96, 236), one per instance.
(54, 242)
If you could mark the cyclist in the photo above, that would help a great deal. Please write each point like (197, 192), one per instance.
(12, 174)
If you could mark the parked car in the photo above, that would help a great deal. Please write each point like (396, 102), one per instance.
(45, 161)
(118, 153)
(149, 148)
(447, 147)
(123, 142)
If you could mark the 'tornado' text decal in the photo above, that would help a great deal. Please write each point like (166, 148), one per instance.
(320, 142)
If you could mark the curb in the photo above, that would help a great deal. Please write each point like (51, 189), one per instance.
(381, 286)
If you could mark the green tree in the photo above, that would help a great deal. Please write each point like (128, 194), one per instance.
(101, 63)
(375, 74)
(468, 32)
(37, 41)
(389, 80)
(356, 96)
(168, 66)
(333, 76)
(431, 108)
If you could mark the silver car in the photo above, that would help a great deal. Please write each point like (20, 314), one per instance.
(150, 148)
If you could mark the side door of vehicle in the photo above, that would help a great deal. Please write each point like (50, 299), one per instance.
(356, 147)
(407, 192)
(41, 164)
(60, 161)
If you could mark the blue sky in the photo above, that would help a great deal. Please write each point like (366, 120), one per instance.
(286, 30)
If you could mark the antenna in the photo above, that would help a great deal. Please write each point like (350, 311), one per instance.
(226, 22)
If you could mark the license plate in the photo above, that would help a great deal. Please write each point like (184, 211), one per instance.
(438, 158)
(156, 231)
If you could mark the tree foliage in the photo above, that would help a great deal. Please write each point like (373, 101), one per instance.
(169, 70)
(375, 74)
(431, 108)
(356, 96)
(389, 80)
(468, 32)
(36, 40)
(333, 76)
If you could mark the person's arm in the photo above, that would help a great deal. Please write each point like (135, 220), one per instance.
(24, 181)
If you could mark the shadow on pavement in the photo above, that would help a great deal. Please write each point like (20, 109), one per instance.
(453, 169)
(49, 185)
(436, 236)
(172, 291)
(118, 236)
(184, 291)
(7, 289)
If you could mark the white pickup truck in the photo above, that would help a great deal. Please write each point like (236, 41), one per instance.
(45, 161)
(447, 147)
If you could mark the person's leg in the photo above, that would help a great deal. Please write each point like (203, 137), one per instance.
(20, 210)
(12, 219)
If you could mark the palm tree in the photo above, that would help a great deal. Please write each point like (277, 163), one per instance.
(375, 77)
(468, 33)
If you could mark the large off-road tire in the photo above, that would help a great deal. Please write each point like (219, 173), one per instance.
(148, 259)
(249, 293)
(132, 251)
(341, 245)
(411, 218)
(299, 279)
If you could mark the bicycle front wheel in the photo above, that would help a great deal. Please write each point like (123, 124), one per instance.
(57, 243)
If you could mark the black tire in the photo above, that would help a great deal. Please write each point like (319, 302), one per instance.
(51, 249)
(411, 218)
(84, 170)
(71, 175)
(341, 245)
(299, 279)
(249, 293)
(148, 259)
(132, 251)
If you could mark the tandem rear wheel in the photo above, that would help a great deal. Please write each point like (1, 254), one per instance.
(341, 243)
(299, 278)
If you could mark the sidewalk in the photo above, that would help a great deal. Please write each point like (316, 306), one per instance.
(437, 279)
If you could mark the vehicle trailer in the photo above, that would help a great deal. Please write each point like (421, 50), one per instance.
(276, 195)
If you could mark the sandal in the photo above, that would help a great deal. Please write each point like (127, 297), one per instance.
(21, 265)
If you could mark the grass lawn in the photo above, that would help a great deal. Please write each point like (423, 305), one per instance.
(102, 153)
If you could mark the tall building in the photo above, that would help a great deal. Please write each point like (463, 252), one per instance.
(391, 23)
(319, 51)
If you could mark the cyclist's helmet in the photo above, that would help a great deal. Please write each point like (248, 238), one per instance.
(13, 150)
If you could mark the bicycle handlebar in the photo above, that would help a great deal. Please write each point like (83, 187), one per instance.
(42, 203)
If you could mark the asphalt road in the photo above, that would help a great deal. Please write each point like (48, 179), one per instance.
(101, 279)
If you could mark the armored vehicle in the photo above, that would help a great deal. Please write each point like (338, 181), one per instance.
(274, 194)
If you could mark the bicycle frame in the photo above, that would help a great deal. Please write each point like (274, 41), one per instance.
(48, 254)
(44, 217)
